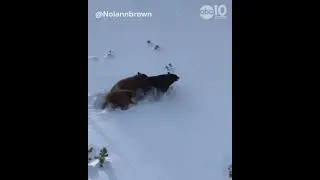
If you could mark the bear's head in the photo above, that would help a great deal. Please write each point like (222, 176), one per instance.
(173, 77)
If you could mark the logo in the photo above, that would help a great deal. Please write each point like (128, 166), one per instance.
(216, 12)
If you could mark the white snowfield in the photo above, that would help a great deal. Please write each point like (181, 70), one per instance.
(188, 134)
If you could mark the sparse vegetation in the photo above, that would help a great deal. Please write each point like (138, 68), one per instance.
(101, 156)
(230, 171)
(90, 149)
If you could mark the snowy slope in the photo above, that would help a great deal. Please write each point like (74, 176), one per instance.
(187, 135)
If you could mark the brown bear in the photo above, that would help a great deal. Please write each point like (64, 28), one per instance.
(131, 83)
(161, 82)
(119, 98)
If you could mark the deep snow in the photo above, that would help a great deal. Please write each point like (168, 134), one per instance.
(188, 134)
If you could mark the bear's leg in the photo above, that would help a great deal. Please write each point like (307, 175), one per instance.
(156, 94)
(164, 89)
(104, 105)
(132, 102)
(124, 107)
(139, 94)
(113, 106)
(159, 93)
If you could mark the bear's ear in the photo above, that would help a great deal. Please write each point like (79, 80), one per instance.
(169, 73)
(139, 73)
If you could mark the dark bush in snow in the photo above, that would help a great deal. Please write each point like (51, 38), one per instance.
(101, 157)
(230, 170)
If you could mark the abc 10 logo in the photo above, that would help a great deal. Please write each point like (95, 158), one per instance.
(216, 12)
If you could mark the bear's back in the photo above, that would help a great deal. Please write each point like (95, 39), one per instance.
(130, 83)
(161, 80)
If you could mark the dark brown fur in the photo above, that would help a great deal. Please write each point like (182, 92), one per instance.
(131, 83)
(161, 82)
(119, 98)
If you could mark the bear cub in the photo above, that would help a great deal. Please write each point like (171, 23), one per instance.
(131, 83)
(119, 98)
(161, 83)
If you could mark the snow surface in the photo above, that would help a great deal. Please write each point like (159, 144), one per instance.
(188, 134)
